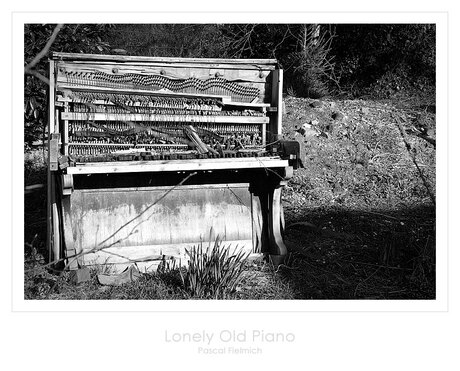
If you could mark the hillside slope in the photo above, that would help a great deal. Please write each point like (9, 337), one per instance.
(360, 215)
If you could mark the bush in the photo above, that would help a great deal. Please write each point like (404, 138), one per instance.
(388, 56)
(213, 273)
(311, 69)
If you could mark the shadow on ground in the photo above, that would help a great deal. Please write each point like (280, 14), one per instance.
(356, 254)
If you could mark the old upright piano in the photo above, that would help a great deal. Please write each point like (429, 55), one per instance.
(151, 156)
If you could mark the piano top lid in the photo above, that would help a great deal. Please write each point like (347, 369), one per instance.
(255, 63)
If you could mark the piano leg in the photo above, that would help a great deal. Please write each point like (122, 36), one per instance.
(69, 244)
(277, 248)
(271, 209)
(66, 187)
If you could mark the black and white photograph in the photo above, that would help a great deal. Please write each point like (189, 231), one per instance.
(230, 161)
(237, 185)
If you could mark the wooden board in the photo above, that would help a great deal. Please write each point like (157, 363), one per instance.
(277, 101)
(152, 253)
(168, 118)
(177, 165)
(143, 267)
(250, 63)
(258, 76)
(154, 216)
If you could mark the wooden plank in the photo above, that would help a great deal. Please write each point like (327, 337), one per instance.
(255, 78)
(257, 223)
(69, 243)
(168, 188)
(53, 152)
(65, 143)
(264, 134)
(125, 58)
(275, 239)
(50, 222)
(51, 97)
(52, 225)
(253, 67)
(154, 117)
(56, 249)
(131, 254)
(119, 217)
(145, 267)
(177, 165)
(56, 121)
(50, 179)
(277, 101)
(147, 258)
(180, 72)
(49, 217)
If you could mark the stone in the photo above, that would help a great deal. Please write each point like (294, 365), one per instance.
(80, 275)
(308, 131)
(337, 116)
(131, 274)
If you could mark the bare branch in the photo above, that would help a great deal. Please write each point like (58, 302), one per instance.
(398, 120)
(282, 41)
(38, 75)
(45, 50)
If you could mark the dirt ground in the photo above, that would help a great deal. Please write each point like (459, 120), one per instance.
(360, 214)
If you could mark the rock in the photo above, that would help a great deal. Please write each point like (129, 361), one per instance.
(337, 116)
(119, 51)
(365, 110)
(329, 128)
(315, 104)
(308, 131)
(80, 275)
(131, 274)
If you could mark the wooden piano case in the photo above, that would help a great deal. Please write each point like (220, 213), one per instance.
(151, 156)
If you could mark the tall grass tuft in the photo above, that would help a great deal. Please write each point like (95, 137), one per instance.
(213, 272)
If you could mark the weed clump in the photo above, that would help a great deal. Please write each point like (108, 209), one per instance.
(213, 272)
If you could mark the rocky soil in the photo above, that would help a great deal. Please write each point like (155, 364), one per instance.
(360, 215)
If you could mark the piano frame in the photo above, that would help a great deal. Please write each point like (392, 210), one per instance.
(108, 185)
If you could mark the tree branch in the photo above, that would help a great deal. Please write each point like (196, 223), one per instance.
(29, 68)
(45, 50)
(38, 75)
